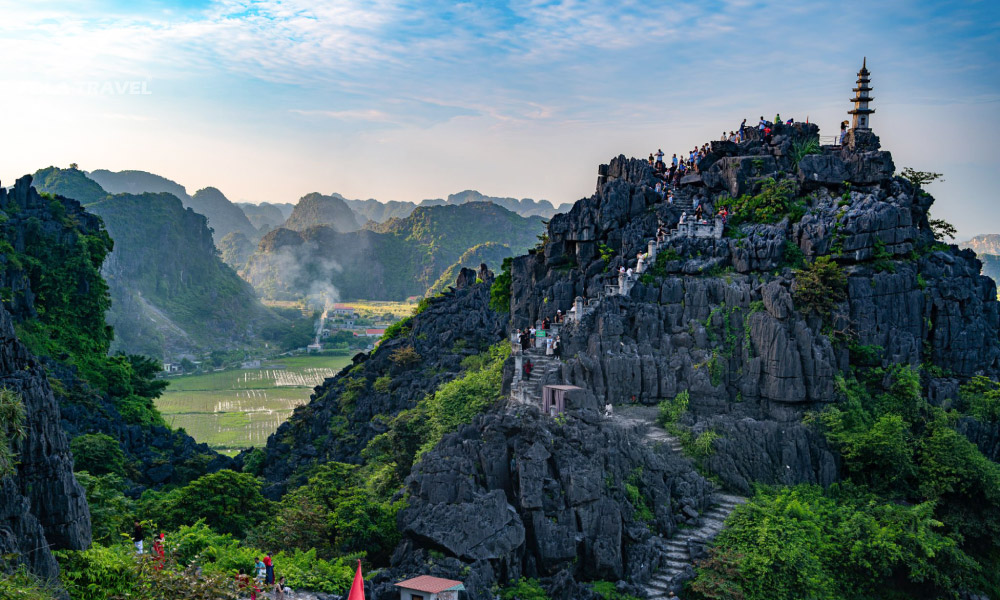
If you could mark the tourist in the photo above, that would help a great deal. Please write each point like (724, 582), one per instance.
(640, 262)
(528, 367)
(137, 537)
(279, 590)
(683, 218)
(670, 196)
(724, 136)
(260, 569)
(762, 124)
(790, 122)
(548, 346)
(268, 569)
(651, 159)
(545, 323)
(629, 272)
(777, 119)
(659, 156)
(559, 316)
(673, 161)
(557, 347)
(843, 132)
(743, 127)
(698, 211)
(767, 135)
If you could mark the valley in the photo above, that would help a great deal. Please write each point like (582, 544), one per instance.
(239, 408)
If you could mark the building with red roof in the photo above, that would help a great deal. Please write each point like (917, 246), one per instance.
(426, 587)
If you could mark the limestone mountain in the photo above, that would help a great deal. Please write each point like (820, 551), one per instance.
(236, 249)
(51, 255)
(388, 261)
(983, 244)
(315, 209)
(792, 346)
(380, 212)
(266, 216)
(490, 253)
(71, 183)
(171, 292)
(224, 217)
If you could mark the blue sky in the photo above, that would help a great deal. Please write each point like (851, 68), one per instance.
(269, 100)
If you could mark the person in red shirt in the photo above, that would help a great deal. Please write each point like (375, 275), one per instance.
(269, 566)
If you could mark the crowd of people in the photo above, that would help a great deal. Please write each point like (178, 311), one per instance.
(263, 569)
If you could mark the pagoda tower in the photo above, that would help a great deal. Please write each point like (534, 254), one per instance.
(861, 99)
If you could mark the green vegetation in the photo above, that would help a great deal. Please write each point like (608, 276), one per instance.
(920, 178)
(819, 286)
(70, 183)
(98, 453)
(658, 269)
(22, 585)
(608, 591)
(492, 254)
(500, 291)
(11, 430)
(313, 210)
(801, 148)
(672, 410)
(980, 397)
(917, 515)
(227, 501)
(775, 200)
(524, 589)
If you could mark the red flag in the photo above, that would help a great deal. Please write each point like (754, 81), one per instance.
(358, 587)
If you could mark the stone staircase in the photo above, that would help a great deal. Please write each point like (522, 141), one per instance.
(547, 369)
(677, 557)
(678, 548)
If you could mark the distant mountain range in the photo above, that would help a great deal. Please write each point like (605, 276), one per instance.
(987, 247)
(387, 261)
(313, 210)
(171, 293)
(381, 212)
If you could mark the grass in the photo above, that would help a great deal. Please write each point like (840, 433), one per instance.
(232, 410)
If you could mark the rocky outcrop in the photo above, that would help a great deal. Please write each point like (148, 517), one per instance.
(42, 507)
(720, 319)
(517, 494)
(452, 327)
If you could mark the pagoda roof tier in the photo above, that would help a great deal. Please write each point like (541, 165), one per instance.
(862, 89)
(868, 99)
(861, 111)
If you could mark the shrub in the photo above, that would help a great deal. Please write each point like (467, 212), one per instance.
(981, 398)
(500, 291)
(672, 410)
(801, 148)
(524, 589)
(228, 501)
(110, 510)
(703, 444)
(381, 384)
(12, 429)
(775, 200)
(98, 453)
(820, 285)
(405, 356)
(608, 591)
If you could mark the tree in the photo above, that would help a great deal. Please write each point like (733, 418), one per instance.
(941, 228)
(11, 429)
(500, 291)
(99, 454)
(819, 285)
(228, 501)
(920, 178)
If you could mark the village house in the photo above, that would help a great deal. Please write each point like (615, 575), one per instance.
(426, 587)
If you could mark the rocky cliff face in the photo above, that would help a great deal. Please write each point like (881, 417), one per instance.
(517, 494)
(42, 507)
(720, 320)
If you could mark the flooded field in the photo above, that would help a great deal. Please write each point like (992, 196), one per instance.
(237, 409)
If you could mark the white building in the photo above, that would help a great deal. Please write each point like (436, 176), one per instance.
(426, 587)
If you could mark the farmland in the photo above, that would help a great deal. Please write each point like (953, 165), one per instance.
(236, 409)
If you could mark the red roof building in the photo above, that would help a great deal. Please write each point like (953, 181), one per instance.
(426, 587)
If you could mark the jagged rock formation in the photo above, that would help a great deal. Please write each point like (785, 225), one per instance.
(380, 212)
(518, 494)
(314, 210)
(42, 507)
(721, 322)
(389, 261)
(451, 328)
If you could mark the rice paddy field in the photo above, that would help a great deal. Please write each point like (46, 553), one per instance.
(236, 409)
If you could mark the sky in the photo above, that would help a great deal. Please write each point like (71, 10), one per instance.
(269, 100)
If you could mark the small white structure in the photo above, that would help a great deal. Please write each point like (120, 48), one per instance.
(314, 348)
(250, 364)
(426, 587)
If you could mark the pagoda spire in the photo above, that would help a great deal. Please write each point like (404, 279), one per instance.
(861, 99)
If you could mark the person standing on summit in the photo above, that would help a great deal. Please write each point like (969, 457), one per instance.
(659, 156)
